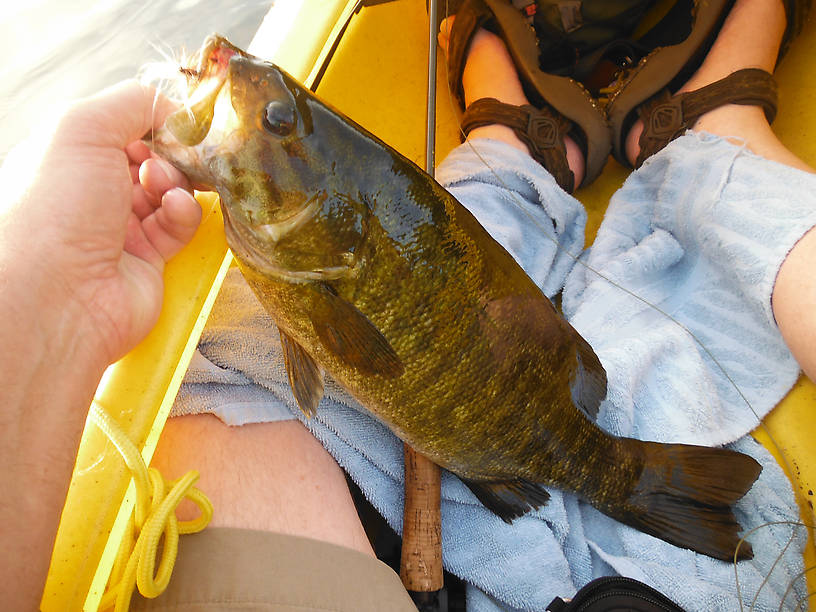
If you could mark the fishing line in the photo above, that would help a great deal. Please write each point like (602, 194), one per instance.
(174, 78)
(773, 566)
(578, 260)
(803, 599)
(697, 341)
(163, 76)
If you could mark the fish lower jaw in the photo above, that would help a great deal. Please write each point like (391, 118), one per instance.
(186, 159)
(278, 230)
(245, 251)
(264, 266)
(261, 264)
(253, 255)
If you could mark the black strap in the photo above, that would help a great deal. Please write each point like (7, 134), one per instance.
(615, 593)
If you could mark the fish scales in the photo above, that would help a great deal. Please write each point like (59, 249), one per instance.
(376, 275)
(463, 354)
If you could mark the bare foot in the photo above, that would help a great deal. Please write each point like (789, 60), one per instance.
(749, 38)
(490, 73)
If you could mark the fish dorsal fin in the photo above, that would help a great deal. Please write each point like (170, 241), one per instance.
(305, 376)
(351, 336)
(589, 384)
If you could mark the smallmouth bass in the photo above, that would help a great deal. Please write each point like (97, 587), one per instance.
(376, 275)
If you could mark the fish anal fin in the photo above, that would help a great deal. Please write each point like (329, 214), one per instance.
(305, 376)
(351, 336)
(508, 499)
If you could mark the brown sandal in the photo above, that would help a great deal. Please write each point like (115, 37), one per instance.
(561, 105)
(665, 117)
(542, 130)
(668, 66)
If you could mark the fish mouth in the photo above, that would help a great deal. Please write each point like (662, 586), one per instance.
(183, 138)
(191, 123)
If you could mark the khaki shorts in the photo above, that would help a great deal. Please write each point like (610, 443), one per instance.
(239, 569)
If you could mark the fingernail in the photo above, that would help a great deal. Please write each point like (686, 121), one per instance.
(186, 192)
(167, 168)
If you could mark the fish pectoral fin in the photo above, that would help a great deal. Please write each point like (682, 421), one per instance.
(305, 376)
(351, 336)
(509, 499)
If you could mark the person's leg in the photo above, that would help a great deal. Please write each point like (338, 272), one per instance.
(794, 302)
(749, 38)
(264, 476)
(241, 569)
(489, 73)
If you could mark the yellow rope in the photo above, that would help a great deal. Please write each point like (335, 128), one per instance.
(154, 516)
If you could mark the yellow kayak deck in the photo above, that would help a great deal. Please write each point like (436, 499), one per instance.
(375, 74)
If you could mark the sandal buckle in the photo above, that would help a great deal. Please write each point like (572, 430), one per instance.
(542, 130)
(666, 119)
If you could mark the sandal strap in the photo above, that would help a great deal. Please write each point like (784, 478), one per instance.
(562, 95)
(471, 16)
(666, 117)
(542, 130)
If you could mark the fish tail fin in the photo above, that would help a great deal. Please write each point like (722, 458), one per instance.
(684, 496)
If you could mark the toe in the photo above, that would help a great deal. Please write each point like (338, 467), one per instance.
(444, 32)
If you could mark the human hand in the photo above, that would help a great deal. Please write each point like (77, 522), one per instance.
(87, 221)
(91, 218)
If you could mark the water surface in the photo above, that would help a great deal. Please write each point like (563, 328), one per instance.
(57, 50)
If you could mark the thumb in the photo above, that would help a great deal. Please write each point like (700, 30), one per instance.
(117, 116)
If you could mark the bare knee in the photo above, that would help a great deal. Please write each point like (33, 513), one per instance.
(265, 476)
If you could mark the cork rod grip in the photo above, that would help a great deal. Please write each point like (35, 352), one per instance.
(421, 561)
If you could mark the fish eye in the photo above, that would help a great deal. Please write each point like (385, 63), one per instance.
(278, 118)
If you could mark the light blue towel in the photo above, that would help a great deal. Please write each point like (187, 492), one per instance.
(699, 231)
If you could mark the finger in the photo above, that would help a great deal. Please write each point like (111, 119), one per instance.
(137, 152)
(138, 245)
(155, 178)
(158, 176)
(443, 38)
(143, 204)
(173, 225)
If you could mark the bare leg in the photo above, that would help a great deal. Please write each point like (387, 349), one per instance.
(490, 73)
(749, 38)
(794, 302)
(762, 23)
(265, 476)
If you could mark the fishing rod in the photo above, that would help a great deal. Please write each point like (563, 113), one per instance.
(421, 556)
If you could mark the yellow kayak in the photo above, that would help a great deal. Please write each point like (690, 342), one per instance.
(371, 65)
